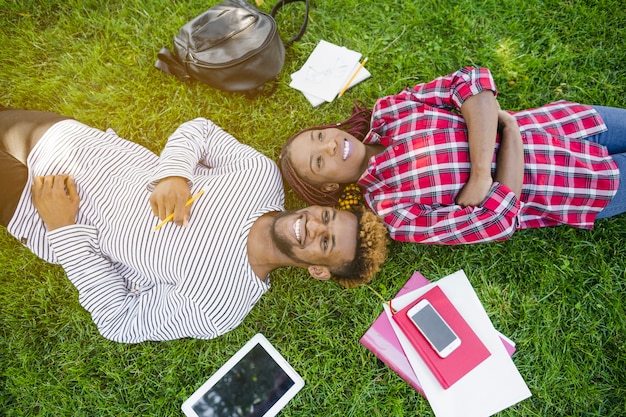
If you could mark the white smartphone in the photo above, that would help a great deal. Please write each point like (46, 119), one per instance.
(434, 328)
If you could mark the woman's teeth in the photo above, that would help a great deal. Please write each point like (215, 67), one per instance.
(346, 149)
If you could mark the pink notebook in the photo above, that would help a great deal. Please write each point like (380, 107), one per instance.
(462, 360)
(381, 340)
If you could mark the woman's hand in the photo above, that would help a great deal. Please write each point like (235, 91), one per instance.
(506, 120)
(474, 191)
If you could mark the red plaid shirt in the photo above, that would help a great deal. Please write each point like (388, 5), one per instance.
(412, 185)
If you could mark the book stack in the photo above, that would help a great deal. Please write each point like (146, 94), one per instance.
(479, 378)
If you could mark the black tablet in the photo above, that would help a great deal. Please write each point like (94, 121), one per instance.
(256, 382)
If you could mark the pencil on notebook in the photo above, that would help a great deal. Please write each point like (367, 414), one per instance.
(171, 216)
(343, 90)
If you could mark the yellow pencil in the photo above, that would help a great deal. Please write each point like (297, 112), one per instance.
(171, 216)
(343, 90)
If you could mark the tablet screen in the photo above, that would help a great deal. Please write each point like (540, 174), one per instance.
(255, 382)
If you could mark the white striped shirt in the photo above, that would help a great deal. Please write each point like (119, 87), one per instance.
(144, 285)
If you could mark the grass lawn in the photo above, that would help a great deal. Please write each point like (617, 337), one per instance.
(559, 293)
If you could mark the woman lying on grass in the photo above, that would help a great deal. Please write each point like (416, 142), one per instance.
(442, 163)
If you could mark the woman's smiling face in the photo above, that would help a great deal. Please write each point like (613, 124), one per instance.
(324, 156)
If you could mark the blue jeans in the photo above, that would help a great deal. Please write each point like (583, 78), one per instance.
(615, 141)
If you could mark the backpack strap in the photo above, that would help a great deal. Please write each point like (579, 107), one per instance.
(305, 21)
(167, 62)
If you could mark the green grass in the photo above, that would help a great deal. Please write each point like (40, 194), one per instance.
(559, 293)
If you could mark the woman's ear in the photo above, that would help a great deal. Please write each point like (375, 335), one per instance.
(319, 272)
(330, 187)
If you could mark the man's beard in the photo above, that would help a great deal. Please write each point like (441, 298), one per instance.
(281, 242)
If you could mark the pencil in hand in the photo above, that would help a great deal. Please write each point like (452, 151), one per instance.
(171, 216)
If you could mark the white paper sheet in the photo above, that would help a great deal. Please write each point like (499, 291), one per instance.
(326, 71)
(315, 101)
(493, 385)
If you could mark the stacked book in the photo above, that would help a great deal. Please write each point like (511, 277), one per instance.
(478, 378)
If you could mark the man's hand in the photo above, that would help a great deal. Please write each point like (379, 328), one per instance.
(56, 200)
(170, 196)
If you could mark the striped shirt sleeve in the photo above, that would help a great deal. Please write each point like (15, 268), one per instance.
(198, 141)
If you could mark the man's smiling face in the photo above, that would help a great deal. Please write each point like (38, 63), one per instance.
(317, 235)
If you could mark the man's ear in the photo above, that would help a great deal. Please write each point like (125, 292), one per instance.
(319, 272)
(330, 187)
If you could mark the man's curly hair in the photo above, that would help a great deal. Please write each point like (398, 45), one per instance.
(372, 241)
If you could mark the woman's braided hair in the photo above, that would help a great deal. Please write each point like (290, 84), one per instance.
(358, 124)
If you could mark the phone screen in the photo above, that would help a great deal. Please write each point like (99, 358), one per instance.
(433, 327)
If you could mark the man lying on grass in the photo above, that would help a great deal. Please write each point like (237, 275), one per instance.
(90, 201)
(441, 163)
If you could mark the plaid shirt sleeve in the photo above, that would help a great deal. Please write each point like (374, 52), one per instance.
(494, 220)
(451, 91)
